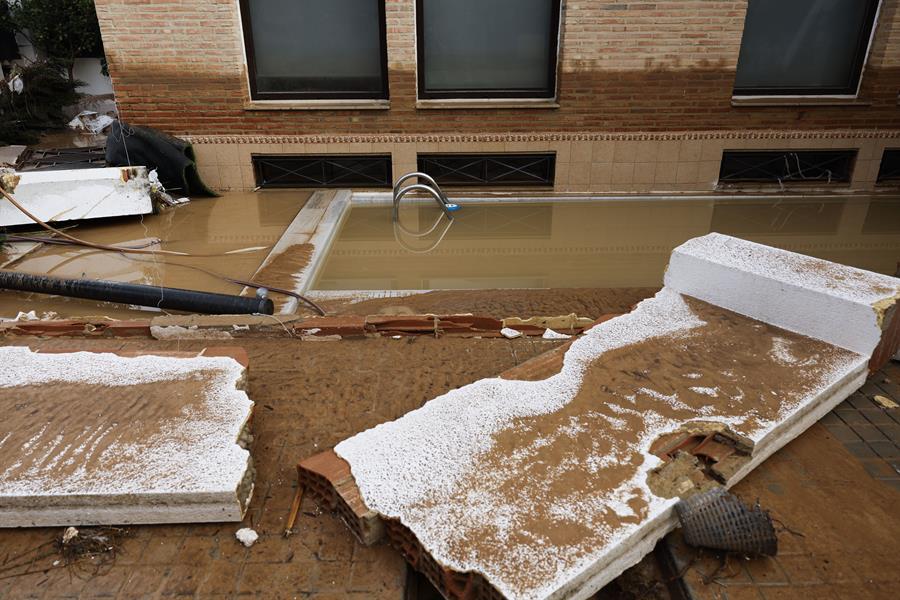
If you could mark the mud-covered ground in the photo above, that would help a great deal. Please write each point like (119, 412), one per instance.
(310, 395)
(584, 302)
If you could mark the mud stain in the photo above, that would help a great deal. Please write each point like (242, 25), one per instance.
(66, 431)
(284, 270)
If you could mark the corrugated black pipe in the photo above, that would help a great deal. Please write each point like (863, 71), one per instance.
(141, 295)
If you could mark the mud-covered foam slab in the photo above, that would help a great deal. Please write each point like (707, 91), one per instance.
(90, 438)
(841, 305)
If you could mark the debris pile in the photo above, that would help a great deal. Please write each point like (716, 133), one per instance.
(91, 551)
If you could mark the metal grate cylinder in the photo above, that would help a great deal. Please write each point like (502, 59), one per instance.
(719, 520)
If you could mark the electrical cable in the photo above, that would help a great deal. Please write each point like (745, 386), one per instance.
(243, 282)
(79, 242)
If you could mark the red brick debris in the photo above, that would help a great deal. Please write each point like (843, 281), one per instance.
(344, 326)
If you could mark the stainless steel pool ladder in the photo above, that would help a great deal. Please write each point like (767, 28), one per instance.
(430, 186)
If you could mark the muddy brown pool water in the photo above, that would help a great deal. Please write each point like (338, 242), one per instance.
(595, 244)
(211, 230)
(601, 243)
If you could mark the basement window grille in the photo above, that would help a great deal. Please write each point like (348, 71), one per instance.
(490, 169)
(287, 171)
(889, 172)
(787, 166)
(51, 159)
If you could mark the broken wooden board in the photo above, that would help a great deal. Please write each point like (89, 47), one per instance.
(103, 439)
(551, 488)
(69, 195)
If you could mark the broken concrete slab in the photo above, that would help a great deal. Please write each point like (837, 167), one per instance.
(55, 196)
(99, 439)
(549, 488)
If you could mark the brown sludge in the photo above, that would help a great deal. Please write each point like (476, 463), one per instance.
(321, 558)
(282, 272)
(88, 422)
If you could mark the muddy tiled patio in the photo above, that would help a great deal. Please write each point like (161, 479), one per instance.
(307, 400)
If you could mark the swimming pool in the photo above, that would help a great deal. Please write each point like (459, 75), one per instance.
(596, 242)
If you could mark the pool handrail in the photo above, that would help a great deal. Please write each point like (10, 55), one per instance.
(431, 186)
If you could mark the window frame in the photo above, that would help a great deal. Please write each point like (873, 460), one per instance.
(548, 93)
(861, 57)
(250, 61)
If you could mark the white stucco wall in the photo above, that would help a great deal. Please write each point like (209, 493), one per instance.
(86, 70)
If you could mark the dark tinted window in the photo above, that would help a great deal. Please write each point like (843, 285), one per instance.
(315, 48)
(889, 171)
(804, 46)
(487, 48)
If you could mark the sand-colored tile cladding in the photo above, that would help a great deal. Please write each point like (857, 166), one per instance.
(549, 488)
(95, 438)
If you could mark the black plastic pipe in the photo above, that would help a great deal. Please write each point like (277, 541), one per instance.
(141, 295)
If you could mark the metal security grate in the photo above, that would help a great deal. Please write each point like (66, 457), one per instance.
(787, 166)
(50, 159)
(490, 169)
(354, 170)
(889, 172)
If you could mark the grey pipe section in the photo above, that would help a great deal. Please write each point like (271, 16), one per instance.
(141, 295)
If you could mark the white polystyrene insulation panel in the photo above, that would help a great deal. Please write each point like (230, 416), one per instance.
(203, 458)
(78, 194)
(813, 297)
(401, 464)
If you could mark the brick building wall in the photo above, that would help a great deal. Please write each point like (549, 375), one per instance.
(631, 75)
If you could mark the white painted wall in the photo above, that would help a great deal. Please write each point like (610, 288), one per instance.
(86, 70)
(95, 82)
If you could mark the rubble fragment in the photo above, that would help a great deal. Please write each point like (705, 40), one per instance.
(246, 536)
(884, 401)
(549, 334)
